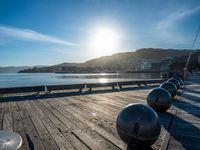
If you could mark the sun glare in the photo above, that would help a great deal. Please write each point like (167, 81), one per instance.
(104, 41)
(103, 80)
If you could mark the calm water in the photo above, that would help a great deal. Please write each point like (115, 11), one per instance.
(29, 79)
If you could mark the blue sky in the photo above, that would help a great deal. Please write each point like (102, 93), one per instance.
(47, 32)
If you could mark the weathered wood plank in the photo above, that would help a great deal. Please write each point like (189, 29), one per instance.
(1, 115)
(88, 140)
(59, 138)
(103, 123)
(96, 106)
(79, 125)
(97, 113)
(168, 133)
(7, 119)
(64, 125)
(33, 138)
(43, 133)
(18, 126)
(97, 128)
(93, 108)
(121, 99)
(91, 117)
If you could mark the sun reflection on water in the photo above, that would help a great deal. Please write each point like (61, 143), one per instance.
(102, 74)
(103, 80)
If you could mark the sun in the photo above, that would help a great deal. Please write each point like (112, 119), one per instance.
(104, 41)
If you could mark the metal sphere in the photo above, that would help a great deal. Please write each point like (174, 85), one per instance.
(179, 79)
(138, 125)
(10, 140)
(175, 81)
(170, 87)
(159, 99)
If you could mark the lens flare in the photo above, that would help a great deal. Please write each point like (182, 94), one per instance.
(104, 41)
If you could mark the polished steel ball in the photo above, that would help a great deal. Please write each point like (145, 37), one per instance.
(175, 81)
(170, 87)
(159, 99)
(179, 79)
(10, 140)
(138, 125)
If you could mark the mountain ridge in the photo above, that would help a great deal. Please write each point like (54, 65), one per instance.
(123, 61)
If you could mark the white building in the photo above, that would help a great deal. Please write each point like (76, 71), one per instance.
(146, 65)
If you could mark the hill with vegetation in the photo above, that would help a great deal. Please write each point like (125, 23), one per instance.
(12, 69)
(154, 55)
(119, 62)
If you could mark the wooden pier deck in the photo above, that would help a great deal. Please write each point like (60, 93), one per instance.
(70, 120)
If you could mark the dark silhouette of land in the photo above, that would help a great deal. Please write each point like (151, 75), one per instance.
(147, 59)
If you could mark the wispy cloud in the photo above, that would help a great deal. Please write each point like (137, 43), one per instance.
(173, 17)
(30, 35)
(167, 31)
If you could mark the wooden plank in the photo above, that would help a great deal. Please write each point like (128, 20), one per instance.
(88, 140)
(65, 121)
(91, 117)
(33, 138)
(110, 102)
(94, 107)
(101, 103)
(158, 142)
(7, 119)
(168, 133)
(18, 126)
(76, 113)
(77, 142)
(113, 104)
(78, 125)
(1, 115)
(59, 138)
(156, 145)
(106, 98)
(102, 125)
(93, 110)
(54, 119)
(136, 94)
(124, 98)
(113, 138)
(45, 136)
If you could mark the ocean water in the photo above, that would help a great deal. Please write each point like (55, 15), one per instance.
(30, 79)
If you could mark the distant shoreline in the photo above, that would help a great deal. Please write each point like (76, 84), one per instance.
(147, 71)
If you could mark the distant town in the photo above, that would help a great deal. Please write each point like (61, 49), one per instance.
(142, 60)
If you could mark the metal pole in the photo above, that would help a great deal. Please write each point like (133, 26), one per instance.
(190, 54)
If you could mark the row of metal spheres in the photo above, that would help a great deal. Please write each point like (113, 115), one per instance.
(138, 125)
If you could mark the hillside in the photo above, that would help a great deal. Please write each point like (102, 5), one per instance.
(12, 69)
(155, 55)
(118, 62)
